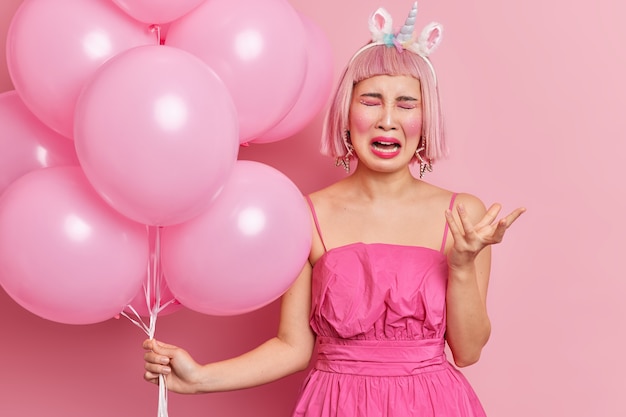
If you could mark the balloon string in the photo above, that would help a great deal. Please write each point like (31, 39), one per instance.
(157, 276)
(136, 321)
(156, 29)
(152, 285)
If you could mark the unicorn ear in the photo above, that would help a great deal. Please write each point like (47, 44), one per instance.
(380, 24)
(430, 38)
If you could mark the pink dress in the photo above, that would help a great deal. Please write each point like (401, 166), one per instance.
(379, 314)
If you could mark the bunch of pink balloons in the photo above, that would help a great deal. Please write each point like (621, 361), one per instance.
(126, 119)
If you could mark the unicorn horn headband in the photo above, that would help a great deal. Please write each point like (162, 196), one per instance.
(381, 29)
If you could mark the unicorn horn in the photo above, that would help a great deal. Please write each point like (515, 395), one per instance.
(406, 32)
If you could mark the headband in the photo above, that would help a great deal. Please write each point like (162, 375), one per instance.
(380, 26)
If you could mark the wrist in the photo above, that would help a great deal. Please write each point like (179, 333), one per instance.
(462, 269)
(203, 381)
(461, 260)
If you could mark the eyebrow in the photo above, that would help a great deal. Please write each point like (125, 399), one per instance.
(380, 96)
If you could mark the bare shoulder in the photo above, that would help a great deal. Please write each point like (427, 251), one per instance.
(473, 205)
(323, 201)
(442, 197)
(328, 196)
(438, 196)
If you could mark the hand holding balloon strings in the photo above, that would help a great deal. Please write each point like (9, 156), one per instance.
(154, 304)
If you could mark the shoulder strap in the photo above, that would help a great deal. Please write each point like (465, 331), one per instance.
(317, 224)
(445, 230)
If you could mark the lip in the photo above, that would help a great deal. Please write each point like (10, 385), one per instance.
(384, 153)
(385, 139)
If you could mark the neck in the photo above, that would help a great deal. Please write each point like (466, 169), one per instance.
(374, 185)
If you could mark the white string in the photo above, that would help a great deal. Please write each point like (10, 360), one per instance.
(154, 312)
(154, 278)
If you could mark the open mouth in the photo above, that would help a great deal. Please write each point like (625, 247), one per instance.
(384, 146)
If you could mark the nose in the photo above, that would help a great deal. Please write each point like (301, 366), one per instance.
(387, 119)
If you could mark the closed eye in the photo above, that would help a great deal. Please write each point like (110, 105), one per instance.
(407, 102)
(369, 102)
(375, 99)
(371, 99)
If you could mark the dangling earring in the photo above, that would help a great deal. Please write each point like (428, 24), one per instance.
(344, 161)
(424, 165)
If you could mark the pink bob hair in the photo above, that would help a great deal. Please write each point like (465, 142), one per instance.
(373, 60)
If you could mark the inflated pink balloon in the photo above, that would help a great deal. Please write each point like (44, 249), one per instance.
(245, 250)
(157, 11)
(315, 89)
(54, 47)
(258, 50)
(156, 134)
(64, 254)
(27, 144)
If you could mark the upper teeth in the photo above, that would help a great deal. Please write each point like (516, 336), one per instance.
(385, 146)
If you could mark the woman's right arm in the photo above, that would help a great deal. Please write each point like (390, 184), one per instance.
(288, 352)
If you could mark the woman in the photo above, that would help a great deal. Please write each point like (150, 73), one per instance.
(397, 266)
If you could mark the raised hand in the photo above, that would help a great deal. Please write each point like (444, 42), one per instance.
(470, 239)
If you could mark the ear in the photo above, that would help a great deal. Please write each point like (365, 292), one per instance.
(380, 24)
(430, 38)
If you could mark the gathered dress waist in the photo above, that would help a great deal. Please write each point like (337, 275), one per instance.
(379, 357)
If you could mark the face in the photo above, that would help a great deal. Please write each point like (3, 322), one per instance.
(385, 121)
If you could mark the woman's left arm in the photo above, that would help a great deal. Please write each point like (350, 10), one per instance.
(474, 230)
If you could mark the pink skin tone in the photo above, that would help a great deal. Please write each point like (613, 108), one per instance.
(386, 119)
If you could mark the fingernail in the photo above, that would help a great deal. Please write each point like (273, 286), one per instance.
(166, 370)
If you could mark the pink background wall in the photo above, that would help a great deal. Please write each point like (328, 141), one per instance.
(534, 93)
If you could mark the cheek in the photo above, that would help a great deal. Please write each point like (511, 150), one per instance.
(360, 121)
(413, 127)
